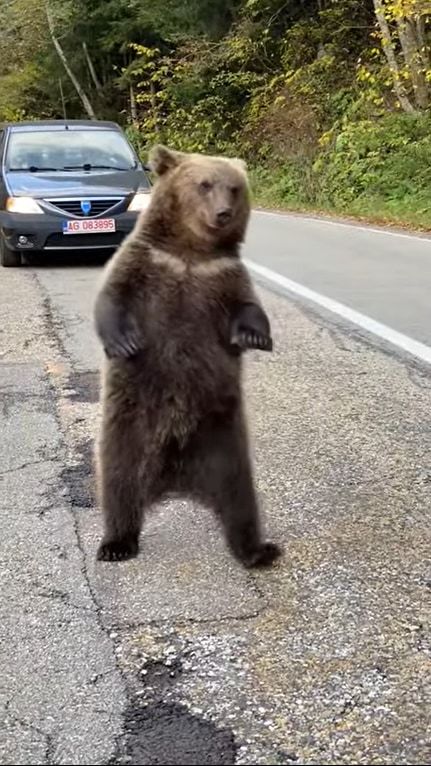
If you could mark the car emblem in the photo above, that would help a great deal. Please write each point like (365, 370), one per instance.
(86, 206)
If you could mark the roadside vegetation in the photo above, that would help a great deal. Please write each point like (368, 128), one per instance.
(328, 100)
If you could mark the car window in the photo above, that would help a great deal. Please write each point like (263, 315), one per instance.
(69, 149)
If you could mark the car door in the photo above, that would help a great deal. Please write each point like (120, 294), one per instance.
(3, 188)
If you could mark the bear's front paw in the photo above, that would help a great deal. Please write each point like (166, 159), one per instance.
(122, 346)
(117, 328)
(251, 339)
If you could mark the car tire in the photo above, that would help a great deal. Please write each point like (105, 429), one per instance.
(9, 258)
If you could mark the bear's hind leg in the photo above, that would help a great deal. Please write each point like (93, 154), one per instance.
(126, 490)
(123, 509)
(236, 505)
(226, 484)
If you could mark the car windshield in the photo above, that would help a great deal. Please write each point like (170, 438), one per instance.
(69, 150)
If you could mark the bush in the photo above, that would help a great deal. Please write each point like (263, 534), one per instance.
(376, 169)
(291, 185)
(380, 165)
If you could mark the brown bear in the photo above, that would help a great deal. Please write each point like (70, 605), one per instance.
(174, 313)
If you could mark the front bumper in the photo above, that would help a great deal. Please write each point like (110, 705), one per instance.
(45, 232)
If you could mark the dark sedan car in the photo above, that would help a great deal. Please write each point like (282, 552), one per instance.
(67, 185)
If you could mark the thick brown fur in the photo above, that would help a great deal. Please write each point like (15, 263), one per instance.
(174, 314)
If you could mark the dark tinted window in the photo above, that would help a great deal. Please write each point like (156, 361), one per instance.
(68, 149)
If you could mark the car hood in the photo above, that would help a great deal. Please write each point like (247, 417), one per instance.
(76, 183)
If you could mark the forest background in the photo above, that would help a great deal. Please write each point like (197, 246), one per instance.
(329, 101)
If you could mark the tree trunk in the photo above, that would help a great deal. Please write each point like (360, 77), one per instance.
(133, 107)
(389, 52)
(91, 68)
(63, 103)
(76, 84)
(154, 106)
(411, 52)
(423, 47)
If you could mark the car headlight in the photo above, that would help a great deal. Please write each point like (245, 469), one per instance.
(139, 202)
(22, 205)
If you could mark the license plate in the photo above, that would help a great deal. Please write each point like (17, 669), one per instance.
(89, 226)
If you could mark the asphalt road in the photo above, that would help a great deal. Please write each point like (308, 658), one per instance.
(384, 274)
(180, 657)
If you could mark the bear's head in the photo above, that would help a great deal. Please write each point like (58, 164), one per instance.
(202, 199)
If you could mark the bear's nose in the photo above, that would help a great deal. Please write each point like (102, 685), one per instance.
(224, 215)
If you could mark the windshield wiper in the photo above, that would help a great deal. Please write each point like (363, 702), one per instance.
(89, 166)
(31, 169)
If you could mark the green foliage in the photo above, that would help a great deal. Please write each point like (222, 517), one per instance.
(379, 170)
(289, 185)
(383, 164)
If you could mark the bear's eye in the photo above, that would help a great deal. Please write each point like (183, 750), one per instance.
(205, 186)
(234, 190)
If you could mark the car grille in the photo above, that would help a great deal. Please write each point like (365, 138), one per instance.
(81, 241)
(72, 207)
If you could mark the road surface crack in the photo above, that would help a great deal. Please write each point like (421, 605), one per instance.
(28, 464)
(53, 324)
(45, 736)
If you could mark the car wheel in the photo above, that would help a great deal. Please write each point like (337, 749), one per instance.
(9, 257)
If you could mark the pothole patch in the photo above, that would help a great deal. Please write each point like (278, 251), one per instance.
(162, 733)
(79, 478)
(84, 387)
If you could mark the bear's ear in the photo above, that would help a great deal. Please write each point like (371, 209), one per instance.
(162, 159)
(239, 164)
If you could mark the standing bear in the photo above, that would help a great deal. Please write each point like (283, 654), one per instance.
(175, 311)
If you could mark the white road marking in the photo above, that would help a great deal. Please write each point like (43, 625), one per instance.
(425, 238)
(395, 338)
